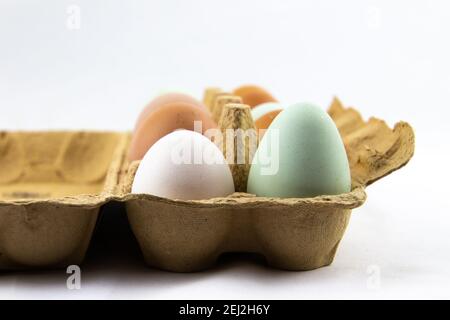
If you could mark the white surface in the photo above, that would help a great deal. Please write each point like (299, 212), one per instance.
(387, 58)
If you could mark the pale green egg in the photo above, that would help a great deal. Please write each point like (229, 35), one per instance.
(301, 155)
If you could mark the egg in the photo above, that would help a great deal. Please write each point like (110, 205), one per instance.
(265, 121)
(184, 165)
(164, 120)
(301, 155)
(264, 114)
(165, 99)
(253, 95)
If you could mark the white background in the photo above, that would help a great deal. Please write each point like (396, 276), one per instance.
(389, 59)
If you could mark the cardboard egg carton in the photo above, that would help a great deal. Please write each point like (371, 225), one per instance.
(53, 184)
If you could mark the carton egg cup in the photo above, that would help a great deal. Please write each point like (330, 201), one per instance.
(53, 184)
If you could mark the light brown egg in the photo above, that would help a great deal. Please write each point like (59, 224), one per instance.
(264, 121)
(164, 120)
(253, 95)
(163, 100)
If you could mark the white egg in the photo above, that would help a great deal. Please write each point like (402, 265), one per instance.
(184, 165)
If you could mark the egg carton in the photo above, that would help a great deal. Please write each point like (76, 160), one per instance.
(41, 226)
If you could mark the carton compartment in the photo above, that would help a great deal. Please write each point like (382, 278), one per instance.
(50, 165)
(189, 236)
(52, 185)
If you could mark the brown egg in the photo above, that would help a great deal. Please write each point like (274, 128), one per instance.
(164, 120)
(165, 99)
(253, 95)
(264, 121)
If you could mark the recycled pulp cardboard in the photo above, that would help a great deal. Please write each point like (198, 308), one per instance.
(52, 185)
(292, 234)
